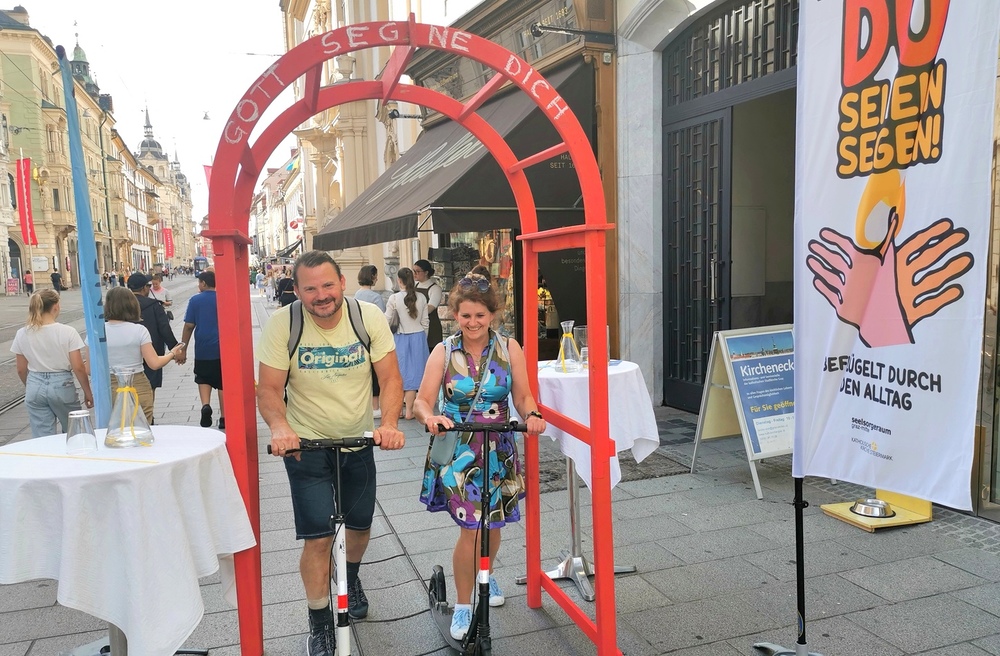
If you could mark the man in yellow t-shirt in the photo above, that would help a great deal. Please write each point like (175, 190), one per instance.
(329, 395)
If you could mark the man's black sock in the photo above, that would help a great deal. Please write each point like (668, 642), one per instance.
(320, 617)
(352, 572)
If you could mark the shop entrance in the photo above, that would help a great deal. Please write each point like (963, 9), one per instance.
(696, 203)
(728, 186)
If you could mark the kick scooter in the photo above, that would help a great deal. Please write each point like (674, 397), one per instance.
(477, 641)
(338, 549)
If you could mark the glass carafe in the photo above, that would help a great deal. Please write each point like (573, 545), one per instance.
(569, 354)
(128, 425)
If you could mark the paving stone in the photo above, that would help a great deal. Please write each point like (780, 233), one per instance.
(27, 595)
(835, 636)
(820, 558)
(990, 643)
(719, 517)
(986, 597)
(714, 545)
(963, 649)
(21, 648)
(51, 621)
(917, 624)
(702, 580)
(698, 622)
(912, 578)
(975, 561)
(900, 543)
(826, 596)
(59, 644)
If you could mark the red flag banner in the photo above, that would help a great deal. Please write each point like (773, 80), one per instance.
(208, 174)
(24, 202)
(168, 242)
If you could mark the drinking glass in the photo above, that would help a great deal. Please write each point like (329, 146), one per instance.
(80, 437)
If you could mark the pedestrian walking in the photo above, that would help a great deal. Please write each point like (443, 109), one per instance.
(57, 281)
(286, 290)
(202, 321)
(161, 295)
(130, 347)
(367, 276)
(422, 274)
(154, 318)
(407, 310)
(29, 282)
(48, 355)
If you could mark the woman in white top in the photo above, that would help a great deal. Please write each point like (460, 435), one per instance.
(129, 345)
(423, 272)
(367, 275)
(48, 355)
(160, 293)
(409, 309)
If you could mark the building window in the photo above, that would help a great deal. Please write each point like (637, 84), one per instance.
(55, 200)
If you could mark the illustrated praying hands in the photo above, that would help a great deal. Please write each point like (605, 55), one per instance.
(886, 291)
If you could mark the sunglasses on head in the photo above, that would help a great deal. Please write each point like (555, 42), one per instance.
(468, 283)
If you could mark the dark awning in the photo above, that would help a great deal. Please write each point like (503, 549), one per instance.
(449, 172)
(291, 248)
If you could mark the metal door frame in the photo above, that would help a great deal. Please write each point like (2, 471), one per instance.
(985, 476)
(691, 398)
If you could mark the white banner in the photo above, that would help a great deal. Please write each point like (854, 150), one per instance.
(892, 213)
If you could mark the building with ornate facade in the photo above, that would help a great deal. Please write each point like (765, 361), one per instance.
(130, 199)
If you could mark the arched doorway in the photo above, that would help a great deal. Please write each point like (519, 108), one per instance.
(238, 164)
(728, 187)
(17, 263)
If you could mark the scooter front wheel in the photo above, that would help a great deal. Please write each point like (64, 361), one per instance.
(436, 588)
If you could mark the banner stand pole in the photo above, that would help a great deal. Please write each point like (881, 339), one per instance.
(767, 648)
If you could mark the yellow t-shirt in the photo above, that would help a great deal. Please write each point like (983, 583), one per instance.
(330, 386)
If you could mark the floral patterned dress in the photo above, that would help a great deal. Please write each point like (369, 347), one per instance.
(457, 487)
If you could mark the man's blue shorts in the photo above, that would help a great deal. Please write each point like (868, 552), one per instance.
(312, 480)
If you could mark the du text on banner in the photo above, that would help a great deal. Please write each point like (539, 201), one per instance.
(892, 215)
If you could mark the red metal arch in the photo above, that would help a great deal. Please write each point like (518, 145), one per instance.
(236, 169)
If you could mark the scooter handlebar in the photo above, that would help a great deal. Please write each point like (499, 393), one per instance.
(332, 443)
(476, 427)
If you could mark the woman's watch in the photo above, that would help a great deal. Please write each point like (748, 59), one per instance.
(534, 413)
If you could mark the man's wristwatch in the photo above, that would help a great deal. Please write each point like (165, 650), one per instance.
(534, 413)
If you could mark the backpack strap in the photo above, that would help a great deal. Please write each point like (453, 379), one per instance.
(295, 327)
(358, 323)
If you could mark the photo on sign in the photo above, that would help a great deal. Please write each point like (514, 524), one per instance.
(763, 373)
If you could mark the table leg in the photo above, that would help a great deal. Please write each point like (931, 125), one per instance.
(575, 565)
(117, 641)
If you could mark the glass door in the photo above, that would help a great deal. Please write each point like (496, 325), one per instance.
(696, 250)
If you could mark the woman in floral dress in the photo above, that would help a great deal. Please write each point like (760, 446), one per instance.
(475, 362)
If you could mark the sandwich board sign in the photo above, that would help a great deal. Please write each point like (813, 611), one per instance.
(750, 392)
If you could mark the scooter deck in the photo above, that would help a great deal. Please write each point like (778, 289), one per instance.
(441, 611)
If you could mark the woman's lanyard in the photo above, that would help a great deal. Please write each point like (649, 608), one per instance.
(483, 371)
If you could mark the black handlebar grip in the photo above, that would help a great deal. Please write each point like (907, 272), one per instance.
(476, 427)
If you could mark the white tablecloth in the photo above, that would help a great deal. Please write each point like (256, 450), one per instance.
(632, 425)
(126, 532)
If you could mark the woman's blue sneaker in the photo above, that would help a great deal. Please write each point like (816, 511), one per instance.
(496, 594)
(461, 620)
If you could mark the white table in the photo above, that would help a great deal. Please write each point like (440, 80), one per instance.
(632, 423)
(127, 533)
(632, 426)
